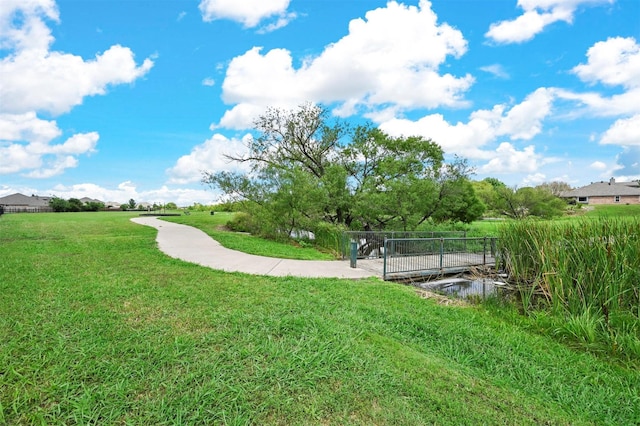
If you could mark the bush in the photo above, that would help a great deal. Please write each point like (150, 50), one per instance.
(242, 222)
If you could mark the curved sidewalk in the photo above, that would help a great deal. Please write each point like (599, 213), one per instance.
(193, 245)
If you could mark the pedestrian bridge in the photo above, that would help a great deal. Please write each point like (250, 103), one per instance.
(412, 258)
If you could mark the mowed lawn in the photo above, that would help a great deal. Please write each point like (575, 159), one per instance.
(99, 327)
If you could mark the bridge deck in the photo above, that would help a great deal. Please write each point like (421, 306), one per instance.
(403, 267)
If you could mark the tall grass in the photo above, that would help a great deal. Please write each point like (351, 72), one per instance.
(586, 273)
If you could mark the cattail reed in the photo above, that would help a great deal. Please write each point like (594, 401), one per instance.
(586, 268)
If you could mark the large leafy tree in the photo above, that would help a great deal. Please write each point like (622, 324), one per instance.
(307, 168)
(519, 203)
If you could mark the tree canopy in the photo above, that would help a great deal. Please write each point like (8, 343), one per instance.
(307, 168)
(519, 203)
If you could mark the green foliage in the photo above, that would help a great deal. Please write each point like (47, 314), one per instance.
(132, 204)
(58, 204)
(307, 169)
(241, 222)
(74, 205)
(555, 188)
(519, 203)
(93, 206)
(586, 272)
(103, 328)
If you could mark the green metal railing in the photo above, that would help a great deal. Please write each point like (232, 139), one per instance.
(414, 256)
(370, 244)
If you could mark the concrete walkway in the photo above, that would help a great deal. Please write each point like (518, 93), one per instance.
(193, 245)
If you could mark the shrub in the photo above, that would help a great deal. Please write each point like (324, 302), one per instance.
(242, 222)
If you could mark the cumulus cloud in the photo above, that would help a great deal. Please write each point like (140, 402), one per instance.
(476, 139)
(124, 192)
(625, 132)
(537, 15)
(208, 156)
(389, 59)
(250, 13)
(614, 62)
(36, 79)
(522, 121)
(508, 159)
(27, 146)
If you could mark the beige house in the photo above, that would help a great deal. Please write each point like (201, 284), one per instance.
(610, 192)
(15, 203)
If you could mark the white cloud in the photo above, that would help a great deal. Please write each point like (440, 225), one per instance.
(534, 179)
(594, 103)
(209, 156)
(598, 165)
(35, 79)
(27, 126)
(390, 58)
(497, 70)
(26, 145)
(53, 168)
(208, 82)
(614, 62)
(33, 32)
(124, 192)
(476, 138)
(537, 15)
(55, 82)
(625, 132)
(524, 121)
(628, 164)
(460, 138)
(247, 12)
(509, 160)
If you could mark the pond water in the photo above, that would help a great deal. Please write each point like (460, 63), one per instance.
(464, 288)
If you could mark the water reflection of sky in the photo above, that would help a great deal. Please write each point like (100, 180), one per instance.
(463, 288)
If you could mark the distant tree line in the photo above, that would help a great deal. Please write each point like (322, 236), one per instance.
(519, 203)
(74, 205)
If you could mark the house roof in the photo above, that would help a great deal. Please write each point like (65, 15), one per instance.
(605, 189)
(18, 199)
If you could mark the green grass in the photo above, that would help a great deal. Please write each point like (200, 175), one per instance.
(245, 242)
(614, 210)
(99, 327)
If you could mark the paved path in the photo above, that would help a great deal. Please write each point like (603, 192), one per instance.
(193, 245)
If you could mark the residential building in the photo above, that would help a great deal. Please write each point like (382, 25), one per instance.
(17, 202)
(603, 192)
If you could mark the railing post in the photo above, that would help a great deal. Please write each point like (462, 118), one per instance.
(441, 252)
(354, 254)
(484, 252)
(384, 261)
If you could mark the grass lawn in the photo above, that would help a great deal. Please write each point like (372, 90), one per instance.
(99, 327)
(490, 227)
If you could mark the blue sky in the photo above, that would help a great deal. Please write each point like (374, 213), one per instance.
(120, 99)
